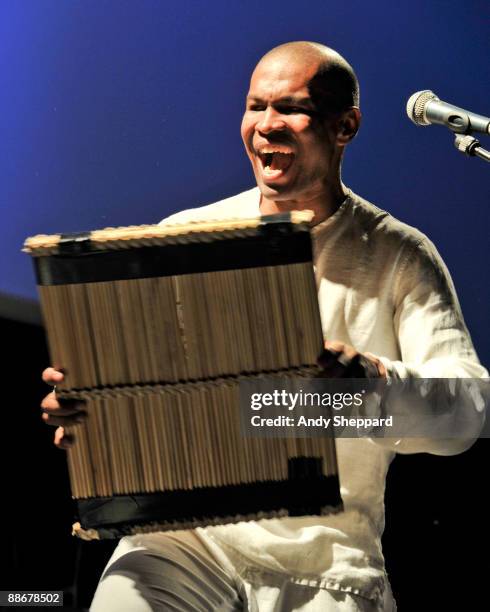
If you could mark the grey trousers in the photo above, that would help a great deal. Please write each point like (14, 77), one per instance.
(183, 576)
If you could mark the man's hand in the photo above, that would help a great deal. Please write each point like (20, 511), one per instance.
(60, 413)
(340, 360)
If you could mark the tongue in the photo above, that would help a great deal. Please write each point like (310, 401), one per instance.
(281, 161)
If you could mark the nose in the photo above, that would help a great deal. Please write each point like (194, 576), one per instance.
(270, 121)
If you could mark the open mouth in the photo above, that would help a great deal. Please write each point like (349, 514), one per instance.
(275, 163)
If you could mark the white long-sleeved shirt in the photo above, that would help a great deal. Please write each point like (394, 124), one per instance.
(382, 288)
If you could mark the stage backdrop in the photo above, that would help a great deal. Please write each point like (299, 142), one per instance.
(120, 112)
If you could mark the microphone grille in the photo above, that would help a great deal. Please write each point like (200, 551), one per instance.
(416, 106)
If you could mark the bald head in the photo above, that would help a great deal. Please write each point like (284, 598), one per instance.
(333, 87)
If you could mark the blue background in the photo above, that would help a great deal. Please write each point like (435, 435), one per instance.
(119, 113)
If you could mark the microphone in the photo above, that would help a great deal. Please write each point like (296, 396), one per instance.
(424, 108)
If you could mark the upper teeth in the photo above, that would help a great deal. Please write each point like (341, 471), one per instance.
(269, 150)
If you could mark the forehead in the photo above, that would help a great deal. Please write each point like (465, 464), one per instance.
(280, 77)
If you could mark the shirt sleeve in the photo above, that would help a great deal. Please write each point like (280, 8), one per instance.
(434, 343)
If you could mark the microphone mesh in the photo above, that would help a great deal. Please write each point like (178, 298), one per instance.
(416, 106)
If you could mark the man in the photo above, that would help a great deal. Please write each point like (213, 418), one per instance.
(384, 293)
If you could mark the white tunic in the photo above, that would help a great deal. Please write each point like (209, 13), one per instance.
(383, 288)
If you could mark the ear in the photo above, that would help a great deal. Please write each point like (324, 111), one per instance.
(348, 125)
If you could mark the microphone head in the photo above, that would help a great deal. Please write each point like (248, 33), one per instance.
(416, 106)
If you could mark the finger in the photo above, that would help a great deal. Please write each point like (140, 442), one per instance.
(62, 407)
(382, 372)
(369, 367)
(336, 346)
(62, 440)
(341, 351)
(53, 376)
(63, 421)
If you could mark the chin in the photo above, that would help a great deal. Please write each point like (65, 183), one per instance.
(274, 191)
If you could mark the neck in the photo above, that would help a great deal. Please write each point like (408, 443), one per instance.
(323, 206)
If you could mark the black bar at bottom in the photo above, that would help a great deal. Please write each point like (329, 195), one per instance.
(114, 516)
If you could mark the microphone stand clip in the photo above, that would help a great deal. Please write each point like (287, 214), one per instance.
(469, 145)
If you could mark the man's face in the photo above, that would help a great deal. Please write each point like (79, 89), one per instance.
(289, 144)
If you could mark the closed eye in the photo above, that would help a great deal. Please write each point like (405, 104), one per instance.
(282, 109)
(294, 110)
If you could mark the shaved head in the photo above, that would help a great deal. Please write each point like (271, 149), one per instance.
(334, 86)
(300, 114)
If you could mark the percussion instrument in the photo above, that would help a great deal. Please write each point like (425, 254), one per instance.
(157, 327)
